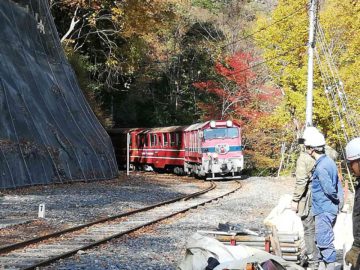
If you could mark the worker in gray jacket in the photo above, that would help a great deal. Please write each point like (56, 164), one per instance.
(301, 201)
(353, 156)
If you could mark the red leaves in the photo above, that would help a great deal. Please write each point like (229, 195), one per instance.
(211, 111)
(237, 68)
(237, 92)
(205, 85)
(210, 87)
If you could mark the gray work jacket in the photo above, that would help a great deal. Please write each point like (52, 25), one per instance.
(302, 191)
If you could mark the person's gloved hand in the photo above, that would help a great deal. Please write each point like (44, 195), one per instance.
(352, 256)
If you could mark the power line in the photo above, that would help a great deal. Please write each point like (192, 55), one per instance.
(262, 29)
(336, 85)
(253, 33)
(268, 26)
(268, 60)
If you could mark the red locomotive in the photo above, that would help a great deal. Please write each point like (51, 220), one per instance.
(211, 149)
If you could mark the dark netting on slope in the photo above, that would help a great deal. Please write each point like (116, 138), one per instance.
(48, 133)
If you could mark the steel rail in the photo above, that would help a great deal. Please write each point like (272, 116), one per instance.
(99, 242)
(35, 240)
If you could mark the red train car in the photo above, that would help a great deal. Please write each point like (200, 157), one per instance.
(156, 148)
(211, 149)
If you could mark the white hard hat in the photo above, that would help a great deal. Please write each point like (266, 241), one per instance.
(309, 131)
(353, 149)
(315, 139)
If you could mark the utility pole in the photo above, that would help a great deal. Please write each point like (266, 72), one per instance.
(311, 47)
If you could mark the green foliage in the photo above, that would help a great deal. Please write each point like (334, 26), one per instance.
(89, 87)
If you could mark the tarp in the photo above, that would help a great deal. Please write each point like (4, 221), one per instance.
(200, 248)
(285, 219)
(48, 132)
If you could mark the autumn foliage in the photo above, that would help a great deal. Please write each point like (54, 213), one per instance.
(237, 92)
(171, 62)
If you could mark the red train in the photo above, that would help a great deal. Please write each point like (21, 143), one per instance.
(211, 149)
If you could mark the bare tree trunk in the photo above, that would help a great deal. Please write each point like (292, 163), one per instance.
(72, 26)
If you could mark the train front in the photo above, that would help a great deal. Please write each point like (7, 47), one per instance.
(222, 150)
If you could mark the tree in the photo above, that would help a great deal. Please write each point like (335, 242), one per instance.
(283, 38)
(123, 42)
(237, 93)
(340, 21)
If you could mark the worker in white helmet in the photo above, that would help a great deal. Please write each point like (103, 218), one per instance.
(327, 198)
(353, 156)
(301, 199)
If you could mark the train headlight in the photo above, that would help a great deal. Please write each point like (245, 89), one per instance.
(229, 123)
(212, 124)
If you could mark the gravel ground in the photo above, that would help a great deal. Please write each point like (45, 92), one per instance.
(163, 245)
(76, 203)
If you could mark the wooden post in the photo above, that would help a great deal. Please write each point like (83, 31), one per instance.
(274, 239)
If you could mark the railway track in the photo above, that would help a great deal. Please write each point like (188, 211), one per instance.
(47, 249)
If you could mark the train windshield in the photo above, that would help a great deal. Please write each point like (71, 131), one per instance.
(220, 133)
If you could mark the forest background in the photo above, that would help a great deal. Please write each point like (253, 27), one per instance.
(150, 63)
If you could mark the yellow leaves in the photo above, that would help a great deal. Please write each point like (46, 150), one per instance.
(287, 29)
(283, 41)
(111, 62)
(283, 38)
(92, 19)
(341, 23)
(146, 17)
(117, 14)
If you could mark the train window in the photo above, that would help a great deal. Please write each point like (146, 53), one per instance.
(142, 140)
(160, 140)
(178, 139)
(221, 133)
(153, 139)
(165, 139)
(172, 139)
(232, 132)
